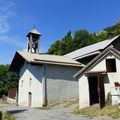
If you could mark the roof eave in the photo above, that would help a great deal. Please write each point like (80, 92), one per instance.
(16, 63)
(55, 63)
(86, 55)
(81, 72)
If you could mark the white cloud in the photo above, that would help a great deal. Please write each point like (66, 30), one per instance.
(4, 25)
(6, 11)
(14, 40)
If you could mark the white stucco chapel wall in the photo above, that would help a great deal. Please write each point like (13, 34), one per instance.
(109, 80)
(30, 81)
(60, 84)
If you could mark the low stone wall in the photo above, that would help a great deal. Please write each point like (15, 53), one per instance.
(10, 100)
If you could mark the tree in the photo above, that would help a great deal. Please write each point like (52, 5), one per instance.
(54, 49)
(81, 39)
(3, 70)
(61, 47)
(11, 80)
(66, 44)
(113, 28)
(102, 36)
(7, 79)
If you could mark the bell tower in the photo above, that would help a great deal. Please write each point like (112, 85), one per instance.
(33, 41)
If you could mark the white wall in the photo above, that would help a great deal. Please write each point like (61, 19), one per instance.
(35, 73)
(109, 80)
(83, 92)
(61, 85)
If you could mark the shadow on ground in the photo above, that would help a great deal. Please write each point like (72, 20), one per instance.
(17, 111)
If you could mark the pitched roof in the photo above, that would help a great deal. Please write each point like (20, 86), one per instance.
(91, 49)
(108, 50)
(34, 31)
(34, 58)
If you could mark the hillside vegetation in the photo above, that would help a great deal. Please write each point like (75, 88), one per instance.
(7, 79)
(81, 38)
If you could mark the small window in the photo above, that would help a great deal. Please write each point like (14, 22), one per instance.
(30, 82)
(111, 65)
(22, 83)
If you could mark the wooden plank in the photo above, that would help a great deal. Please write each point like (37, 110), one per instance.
(101, 90)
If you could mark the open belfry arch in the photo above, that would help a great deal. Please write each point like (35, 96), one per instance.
(33, 41)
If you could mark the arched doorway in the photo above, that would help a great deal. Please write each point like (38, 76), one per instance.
(29, 99)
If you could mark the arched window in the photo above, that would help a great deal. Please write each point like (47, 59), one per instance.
(30, 82)
(22, 83)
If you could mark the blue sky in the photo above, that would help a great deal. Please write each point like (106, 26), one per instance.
(53, 18)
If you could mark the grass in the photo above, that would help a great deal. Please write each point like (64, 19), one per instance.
(3, 101)
(71, 102)
(111, 111)
(44, 108)
(48, 107)
(63, 104)
(7, 116)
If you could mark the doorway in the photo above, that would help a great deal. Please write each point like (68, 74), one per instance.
(96, 89)
(93, 90)
(29, 99)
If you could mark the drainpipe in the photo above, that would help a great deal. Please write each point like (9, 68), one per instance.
(44, 86)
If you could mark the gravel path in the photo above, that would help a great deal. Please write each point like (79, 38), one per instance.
(56, 113)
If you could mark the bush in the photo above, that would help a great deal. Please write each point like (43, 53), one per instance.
(7, 116)
(108, 99)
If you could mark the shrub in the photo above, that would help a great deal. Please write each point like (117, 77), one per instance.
(7, 116)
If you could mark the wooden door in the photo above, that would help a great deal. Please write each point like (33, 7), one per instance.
(93, 90)
(29, 99)
(101, 90)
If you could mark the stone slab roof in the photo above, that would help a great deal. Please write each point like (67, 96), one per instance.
(34, 58)
(44, 58)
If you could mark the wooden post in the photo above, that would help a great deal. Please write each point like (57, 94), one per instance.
(38, 44)
(101, 91)
(30, 43)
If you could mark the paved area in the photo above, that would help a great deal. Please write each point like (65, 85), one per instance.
(56, 113)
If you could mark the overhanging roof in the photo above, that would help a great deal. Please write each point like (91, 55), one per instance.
(34, 31)
(34, 58)
(91, 73)
(108, 50)
(91, 49)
